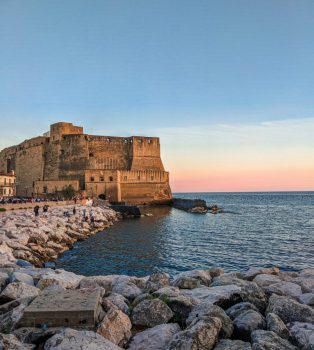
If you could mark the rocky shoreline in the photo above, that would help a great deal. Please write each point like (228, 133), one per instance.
(259, 309)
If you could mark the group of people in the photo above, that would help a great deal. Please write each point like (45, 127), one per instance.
(36, 209)
(86, 218)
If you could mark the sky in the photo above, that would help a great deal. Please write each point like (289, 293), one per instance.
(227, 85)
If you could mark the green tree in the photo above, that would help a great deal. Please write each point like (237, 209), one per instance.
(68, 192)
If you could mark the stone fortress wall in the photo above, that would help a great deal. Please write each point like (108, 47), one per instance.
(121, 168)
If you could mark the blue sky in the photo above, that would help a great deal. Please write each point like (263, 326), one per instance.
(147, 66)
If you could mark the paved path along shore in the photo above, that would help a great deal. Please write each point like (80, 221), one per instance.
(42, 308)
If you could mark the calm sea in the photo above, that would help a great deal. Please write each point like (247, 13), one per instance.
(258, 229)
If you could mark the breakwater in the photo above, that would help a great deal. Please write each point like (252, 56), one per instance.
(199, 309)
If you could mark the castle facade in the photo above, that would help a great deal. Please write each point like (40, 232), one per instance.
(121, 169)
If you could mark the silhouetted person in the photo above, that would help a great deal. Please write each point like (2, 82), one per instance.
(36, 210)
(74, 211)
(45, 208)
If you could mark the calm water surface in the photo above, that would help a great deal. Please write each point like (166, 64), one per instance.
(259, 229)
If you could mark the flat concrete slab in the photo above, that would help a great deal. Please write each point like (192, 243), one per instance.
(70, 308)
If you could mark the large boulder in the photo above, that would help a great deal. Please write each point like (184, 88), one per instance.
(156, 281)
(234, 311)
(227, 344)
(223, 296)
(167, 292)
(151, 313)
(205, 310)
(128, 289)
(247, 322)
(254, 294)
(97, 281)
(289, 289)
(290, 310)
(181, 307)
(157, 338)
(302, 334)
(266, 340)
(307, 299)
(186, 282)
(21, 277)
(254, 271)
(276, 325)
(265, 280)
(10, 342)
(116, 327)
(9, 320)
(203, 276)
(18, 290)
(70, 339)
(66, 279)
(199, 335)
(117, 300)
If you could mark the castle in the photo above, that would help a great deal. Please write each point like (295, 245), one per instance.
(121, 169)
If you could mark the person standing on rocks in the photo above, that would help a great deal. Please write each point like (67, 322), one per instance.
(74, 210)
(36, 210)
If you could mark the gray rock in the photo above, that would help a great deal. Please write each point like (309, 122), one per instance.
(205, 310)
(266, 340)
(227, 279)
(167, 292)
(290, 310)
(156, 281)
(10, 342)
(4, 279)
(223, 296)
(151, 313)
(204, 276)
(254, 294)
(116, 300)
(186, 282)
(307, 299)
(276, 325)
(302, 334)
(306, 283)
(156, 338)
(9, 320)
(142, 297)
(289, 289)
(201, 335)
(264, 280)
(226, 344)
(18, 290)
(181, 307)
(247, 322)
(254, 271)
(237, 309)
(127, 289)
(66, 279)
(22, 277)
(70, 339)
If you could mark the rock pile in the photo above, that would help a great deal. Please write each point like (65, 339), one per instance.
(215, 310)
(43, 238)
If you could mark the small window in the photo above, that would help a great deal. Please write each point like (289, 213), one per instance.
(62, 152)
(125, 178)
(33, 183)
(92, 179)
(102, 178)
(110, 178)
(91, 155)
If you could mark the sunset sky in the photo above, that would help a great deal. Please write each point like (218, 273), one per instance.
(227, 85)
